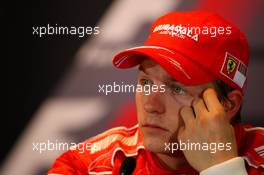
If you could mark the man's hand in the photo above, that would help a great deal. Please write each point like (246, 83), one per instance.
(206, 122)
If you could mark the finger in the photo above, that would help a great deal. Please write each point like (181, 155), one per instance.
(187, 115)
(211, 100)
(180, 133)
(199, 107)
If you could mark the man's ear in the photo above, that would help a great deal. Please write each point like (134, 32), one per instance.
(233, 103)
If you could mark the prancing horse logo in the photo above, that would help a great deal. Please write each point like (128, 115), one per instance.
(231, 65)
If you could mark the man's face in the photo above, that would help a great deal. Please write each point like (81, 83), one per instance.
(158, 112)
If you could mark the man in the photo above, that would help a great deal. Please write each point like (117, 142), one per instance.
(195, 64)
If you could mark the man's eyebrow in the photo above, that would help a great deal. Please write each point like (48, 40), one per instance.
(170, 79)
(167, 79)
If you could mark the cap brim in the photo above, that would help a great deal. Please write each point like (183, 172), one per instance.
(178, 66)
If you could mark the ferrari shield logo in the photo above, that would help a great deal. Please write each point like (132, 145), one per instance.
(234, 69)
(231, 65)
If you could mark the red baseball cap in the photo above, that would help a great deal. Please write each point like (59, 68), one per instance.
(194, 48)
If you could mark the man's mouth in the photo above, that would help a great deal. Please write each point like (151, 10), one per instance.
(154, 127)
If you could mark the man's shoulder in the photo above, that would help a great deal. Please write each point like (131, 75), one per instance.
(106, 144)
(115, 138)
(251, 144)
(98, 153)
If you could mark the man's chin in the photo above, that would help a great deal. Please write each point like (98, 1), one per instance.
(154, 144)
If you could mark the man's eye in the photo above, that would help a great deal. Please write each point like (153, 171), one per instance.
(144, 82)
(177, 89)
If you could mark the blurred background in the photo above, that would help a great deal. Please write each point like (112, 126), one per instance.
(53, 80)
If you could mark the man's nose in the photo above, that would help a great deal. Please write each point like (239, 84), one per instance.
(154, 103)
